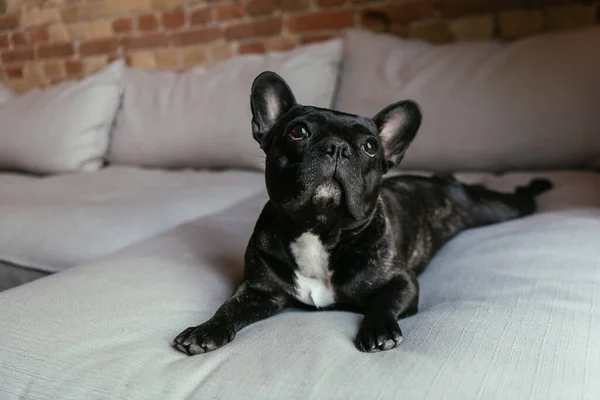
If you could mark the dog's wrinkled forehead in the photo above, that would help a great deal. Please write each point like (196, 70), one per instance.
(274, 108)
(325, 122)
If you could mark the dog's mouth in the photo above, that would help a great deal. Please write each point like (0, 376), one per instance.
(328, 194)
(334, 192)
(333, 189)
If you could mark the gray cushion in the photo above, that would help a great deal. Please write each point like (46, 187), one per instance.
(201, 117)
(5, 93)
(487, 105)
(508, 311)
(63, 128)
(52, 223)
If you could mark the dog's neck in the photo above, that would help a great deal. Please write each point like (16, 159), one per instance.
(330, 229)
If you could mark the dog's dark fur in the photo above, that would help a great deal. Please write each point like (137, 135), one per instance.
(333, 221)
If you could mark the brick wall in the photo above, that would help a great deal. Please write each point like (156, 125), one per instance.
(47, 41)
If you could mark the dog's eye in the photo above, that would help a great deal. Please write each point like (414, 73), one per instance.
(299, 132)
(370, 147)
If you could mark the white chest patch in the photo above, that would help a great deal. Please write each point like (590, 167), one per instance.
(313, 278)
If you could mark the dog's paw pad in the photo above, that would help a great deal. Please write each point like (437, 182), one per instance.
(203, 338)
(378, 334)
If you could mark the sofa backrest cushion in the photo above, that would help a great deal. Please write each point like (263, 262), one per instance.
(487, 105)
(201, 118)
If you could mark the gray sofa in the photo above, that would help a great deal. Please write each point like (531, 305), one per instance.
(105, 262)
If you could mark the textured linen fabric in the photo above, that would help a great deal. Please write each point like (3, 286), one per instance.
(55, 222)
(487, 106)
(202, 118)
(509, 311)
(62, 128)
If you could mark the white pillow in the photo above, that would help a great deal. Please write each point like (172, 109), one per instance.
(62, 128)
(201, 118)
(5, 93)
(530, 104)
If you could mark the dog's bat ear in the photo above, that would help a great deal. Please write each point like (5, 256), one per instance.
(398, 124)
(270, 98)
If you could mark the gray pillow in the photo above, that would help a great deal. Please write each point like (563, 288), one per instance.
(5, 93)
(487, 105)
(62, 128)
(201, 117)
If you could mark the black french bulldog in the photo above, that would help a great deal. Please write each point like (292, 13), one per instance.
(335, 233)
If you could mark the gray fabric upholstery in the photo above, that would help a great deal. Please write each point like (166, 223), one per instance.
(485, 103)
(62, 128)
(52, 223)
(510, 311)
(206, 110)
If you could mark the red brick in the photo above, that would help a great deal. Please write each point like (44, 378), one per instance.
(74, 67)
(4, 43)
(99, 46)
(281, 44)
(321, 20)
(194, 36)
(201, 16)
(13, 71)
(227, 11)
(294, 5)
(399, 30)
(147, 41)
(267, 27)
(409, 12)
(375, 20)
(147, 23)
(55, 50)
(19, 39)
(314, 38)
(252, 47)
(53, 80)
(261, 7)
(39, 35)
(557, 2)
(173, 19)
(122, 25)
(8, 22)
(17, 55)
(330, 3)
(457, 8)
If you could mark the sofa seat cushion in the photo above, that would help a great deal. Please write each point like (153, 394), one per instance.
(507, 311)
(53, 223)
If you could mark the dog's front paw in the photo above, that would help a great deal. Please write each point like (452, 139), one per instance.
(204, 338)
(378, 333)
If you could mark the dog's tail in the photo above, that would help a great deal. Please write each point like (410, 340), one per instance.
(489, 206)
(534, 188)
(525, 196)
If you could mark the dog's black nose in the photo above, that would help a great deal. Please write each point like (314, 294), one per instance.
(336, 148)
